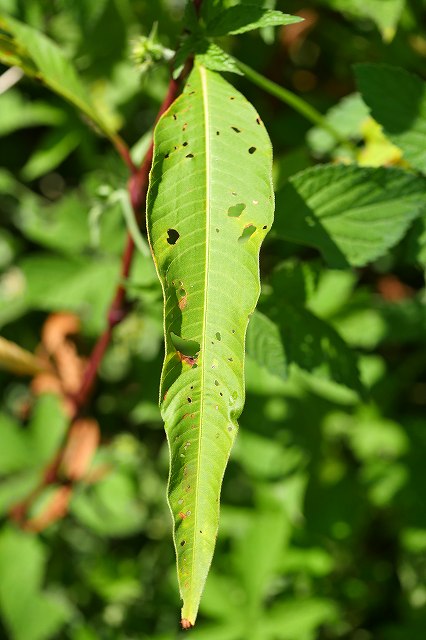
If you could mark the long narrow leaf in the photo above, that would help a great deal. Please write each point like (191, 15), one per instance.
(210, 204)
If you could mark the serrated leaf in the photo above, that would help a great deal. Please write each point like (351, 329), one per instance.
(397, 100)
(210, 204)
(239, 19)
(41, 58)
(351, 214)
(313, 345)
(264, 346)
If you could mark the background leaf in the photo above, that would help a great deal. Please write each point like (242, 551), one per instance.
(352, 215)
(239, 19)
(42, 58)
(30, 613)
(397, 100)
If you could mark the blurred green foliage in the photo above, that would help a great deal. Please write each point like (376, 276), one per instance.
(323, 526)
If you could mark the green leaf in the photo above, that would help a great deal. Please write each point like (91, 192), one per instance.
(346, 117)
(397, 100)
(216, 59)
(351, 214)
(112, 507)
(17, 113)
(28, 612)
(42, 59)
(384, 13)
(212, 158)
(239, 19)
(14, 453)
(312, 344)
(264, 346)
(48, 427)
(55, 147)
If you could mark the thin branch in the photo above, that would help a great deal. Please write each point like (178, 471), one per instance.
(124, 152)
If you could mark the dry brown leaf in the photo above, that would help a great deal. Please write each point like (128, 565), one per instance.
(56, 508)
(83, 440)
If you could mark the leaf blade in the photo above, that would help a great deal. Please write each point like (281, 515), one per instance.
(41, 58)
(208, 267)
(351, 214)
(239, 19)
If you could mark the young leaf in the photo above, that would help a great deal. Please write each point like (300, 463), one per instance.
(239, 19)
(351, 214)
(397, 100)
(210, 204)
(41, 58)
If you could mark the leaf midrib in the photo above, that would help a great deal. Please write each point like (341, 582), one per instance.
(203, 77)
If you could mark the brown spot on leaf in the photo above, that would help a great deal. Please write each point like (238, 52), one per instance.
(183, 302)
(186, 624)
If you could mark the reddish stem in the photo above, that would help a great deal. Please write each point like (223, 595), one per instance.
(138, 187)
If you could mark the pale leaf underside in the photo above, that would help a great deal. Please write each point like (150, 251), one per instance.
(210, 204)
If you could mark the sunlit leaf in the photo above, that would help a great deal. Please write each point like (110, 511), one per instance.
(210, 205)
(239, 19)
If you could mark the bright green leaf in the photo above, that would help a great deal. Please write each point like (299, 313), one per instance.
(212, 153)
(14, 453)
(397, 100)
(239, 19)
(351, 214)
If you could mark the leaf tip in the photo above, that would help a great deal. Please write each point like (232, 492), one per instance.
(186, 624)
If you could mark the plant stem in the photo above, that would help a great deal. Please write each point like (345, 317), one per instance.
(138, 187)
(123, 151)
(295, 102)
(197, 5)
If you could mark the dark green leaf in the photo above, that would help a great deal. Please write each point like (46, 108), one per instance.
(264, 346)
(351, 214)
(41, 58)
